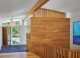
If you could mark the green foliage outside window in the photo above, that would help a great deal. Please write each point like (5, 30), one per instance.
(16, 32)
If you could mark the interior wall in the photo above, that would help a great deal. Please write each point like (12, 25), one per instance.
(0, 34)
(75, 16)
(49, 30)
(23, 34)
(67, 15)
(45, 30)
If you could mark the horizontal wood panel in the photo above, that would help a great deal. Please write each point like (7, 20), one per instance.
(49, 30)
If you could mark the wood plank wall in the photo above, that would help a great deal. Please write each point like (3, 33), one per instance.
(49, 30)
(48, 13)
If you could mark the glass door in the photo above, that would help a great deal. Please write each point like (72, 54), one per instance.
(13, 32)
(15, 36)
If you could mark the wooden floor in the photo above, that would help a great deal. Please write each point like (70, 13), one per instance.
(18, 55)
(14, 55)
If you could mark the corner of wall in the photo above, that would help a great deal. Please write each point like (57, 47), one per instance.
(67, 15)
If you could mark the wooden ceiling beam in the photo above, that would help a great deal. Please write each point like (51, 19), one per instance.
(35, 7)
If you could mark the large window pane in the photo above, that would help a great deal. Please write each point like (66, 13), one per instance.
(15, 36)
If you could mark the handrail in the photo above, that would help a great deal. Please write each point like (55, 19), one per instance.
(51, 51)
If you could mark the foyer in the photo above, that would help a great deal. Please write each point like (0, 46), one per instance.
(40, 29)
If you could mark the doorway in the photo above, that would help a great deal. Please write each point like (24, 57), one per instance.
(12, 33)
(4, 36)
(14, 36)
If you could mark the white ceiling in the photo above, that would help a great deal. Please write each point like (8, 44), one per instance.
(63, 5)
(10, 8)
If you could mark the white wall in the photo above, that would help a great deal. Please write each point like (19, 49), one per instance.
(23, 34)
(0, 34)
(67, 15)
(75, 16)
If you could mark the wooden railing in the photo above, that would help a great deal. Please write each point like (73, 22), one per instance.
(51, 51)
(75, 53)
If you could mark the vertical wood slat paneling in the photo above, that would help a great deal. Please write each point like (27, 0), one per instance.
(48, 13)
(48, 50)
(75, 53)
(55, 52)
(52, 51)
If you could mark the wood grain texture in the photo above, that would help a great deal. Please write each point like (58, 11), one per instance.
(49, 30)
(42, 12)
(32, 55)
(35, 7)
(52, 30)
(52, 51)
